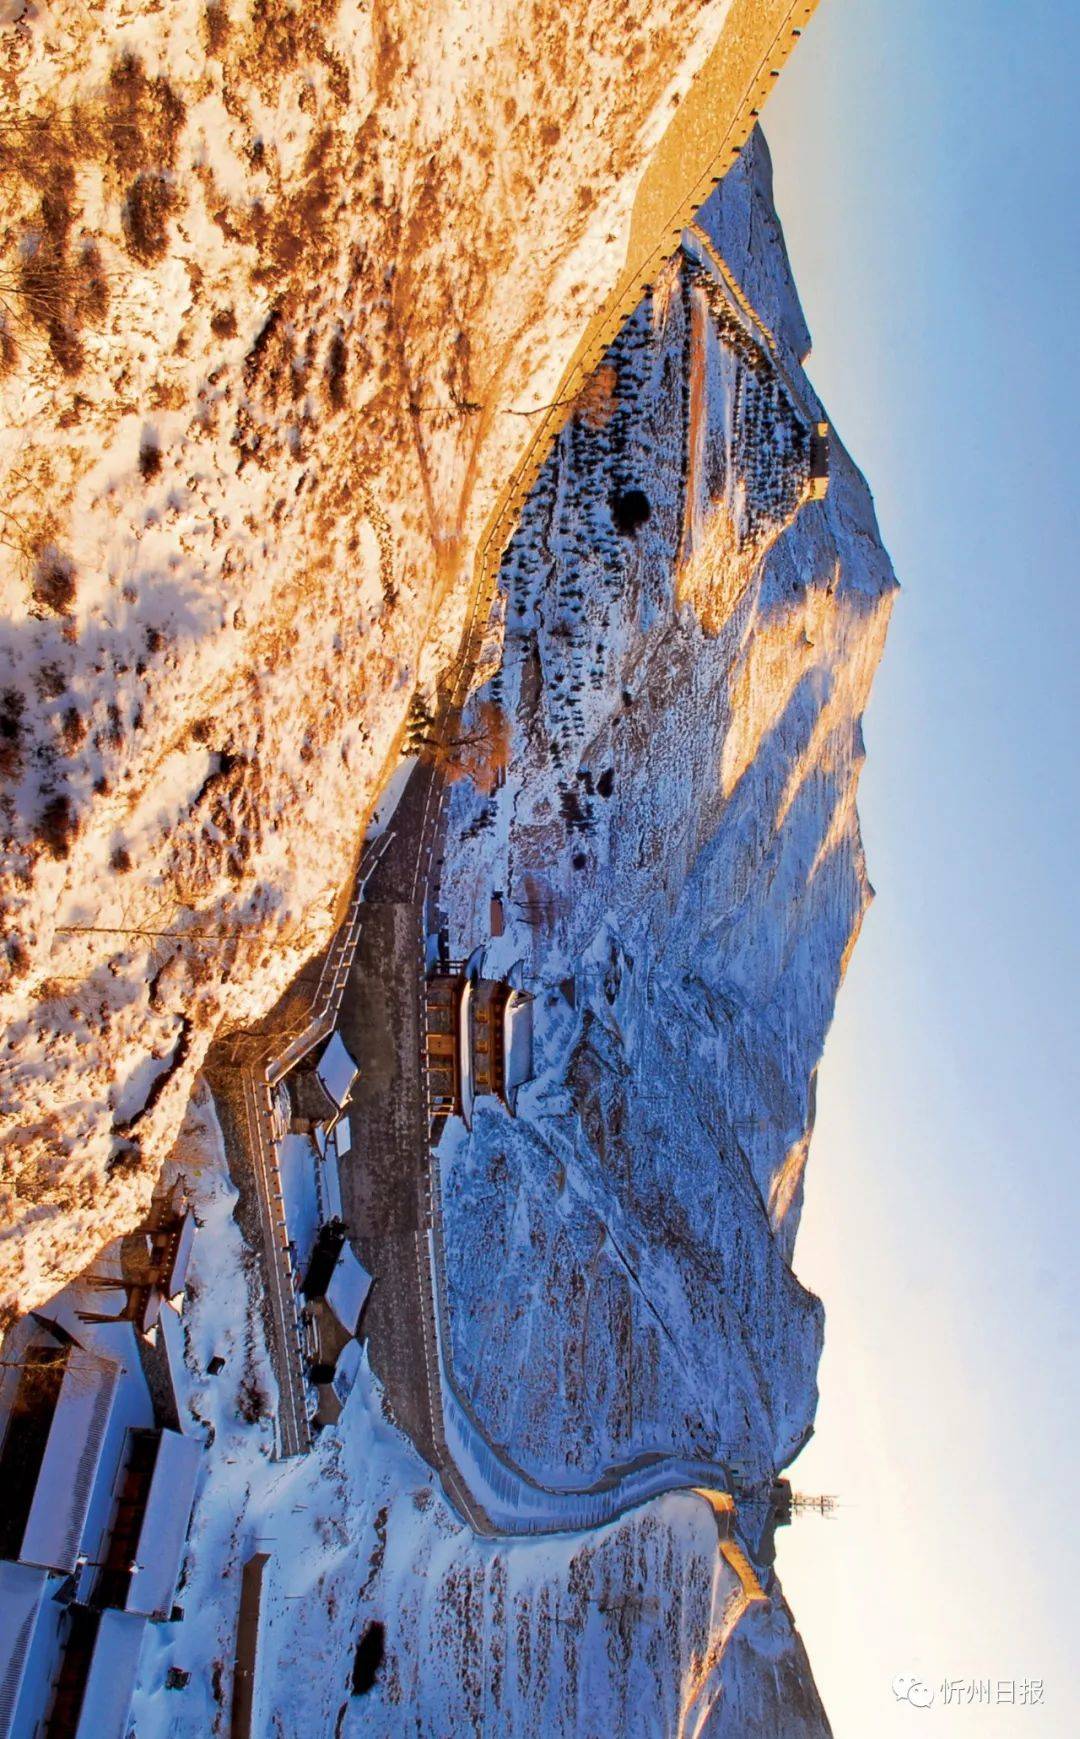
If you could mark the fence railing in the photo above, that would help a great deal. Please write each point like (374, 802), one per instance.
(294, 1431)
(326, 1002)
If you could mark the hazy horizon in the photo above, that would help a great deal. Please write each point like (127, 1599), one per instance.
(925, 168)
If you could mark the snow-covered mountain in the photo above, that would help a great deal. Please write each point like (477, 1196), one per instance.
(671, 827)
(676, 845)
(287, 288)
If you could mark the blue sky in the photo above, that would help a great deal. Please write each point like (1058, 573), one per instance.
(926, 159)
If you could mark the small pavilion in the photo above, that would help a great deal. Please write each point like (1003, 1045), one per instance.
(479, 1038)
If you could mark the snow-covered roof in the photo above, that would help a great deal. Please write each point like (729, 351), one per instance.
(349, 1286)
(347, 1370)
(337, 1071)
(69, 1464)
(110, 1682)
(176, 1277)
(465, 1055)
(164, 1525)
(331, 1179)
(21, 1589)
(518, 1039)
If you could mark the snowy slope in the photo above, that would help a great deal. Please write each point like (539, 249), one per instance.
(641, 1628)
(617, 1258)
(677, 846)
(270, 314)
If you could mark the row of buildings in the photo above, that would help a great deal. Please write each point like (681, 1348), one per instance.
(478, 1040)
(97, 1474)
(334, 1284)
(97, 1481)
